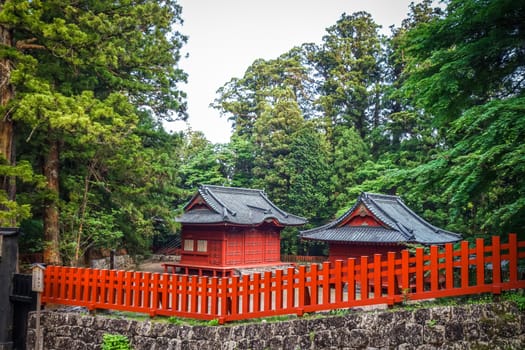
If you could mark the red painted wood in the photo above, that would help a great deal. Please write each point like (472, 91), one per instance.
(231, 246)
(338, 282)
(361, 216)
(350, 278)
(434, 268)
(183, 290)
(256, 292)
(290, 292)
(363, 277)
(405, 274)
(391, 275)
(303, 259)
(480, 262)
(235, 297)
(464, 264)
(314, 290)
(496, 261)
(307, 289)
(342, 251)
(377, 275)
(449, 266)
(419, 270)
(193, 294)
(513, 258)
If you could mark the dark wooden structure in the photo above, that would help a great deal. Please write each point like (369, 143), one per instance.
(225, 228)
(377, 224)
(8, 268)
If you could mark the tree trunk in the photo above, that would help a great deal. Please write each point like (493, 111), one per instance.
(7, 183)
(51, 224)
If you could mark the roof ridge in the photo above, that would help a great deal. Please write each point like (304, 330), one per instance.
(380, 195)
(231, 188)
(402, 228)
(425, 222)
(210, 193)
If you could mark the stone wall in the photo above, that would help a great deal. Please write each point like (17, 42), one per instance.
(122, 262)
(126, 262)
(482, 326)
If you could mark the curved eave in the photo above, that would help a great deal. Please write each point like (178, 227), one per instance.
(221, 221)
(237, 224)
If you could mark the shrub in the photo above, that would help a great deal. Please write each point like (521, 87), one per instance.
(115, 342)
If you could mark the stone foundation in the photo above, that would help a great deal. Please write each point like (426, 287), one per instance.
(482, 326)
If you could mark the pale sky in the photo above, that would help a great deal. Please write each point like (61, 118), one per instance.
(227, 36)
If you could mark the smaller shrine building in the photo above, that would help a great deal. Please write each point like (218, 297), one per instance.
(377, 224)
(226, 228)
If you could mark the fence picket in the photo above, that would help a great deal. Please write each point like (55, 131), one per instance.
(480, 263)
(194, 292)
(420, 270)
(350, 279)
(245, 294)
(183, 292)
(267, 290)
(233, 305)
(464, 264)
(314, 288)
(391, 276)
(378, 284)
(338, 281)
(363, 278)
(255, 292)
(496, 263)
(513, 259)
(326, 282)
(434, 268)
(449, 266)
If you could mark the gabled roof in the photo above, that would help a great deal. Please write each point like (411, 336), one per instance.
(241, 206)
(397, 224)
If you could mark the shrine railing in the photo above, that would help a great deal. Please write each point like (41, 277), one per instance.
(311, 259)
(433, 273)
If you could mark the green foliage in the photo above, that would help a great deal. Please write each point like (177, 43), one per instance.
(214, 322)
(115, 342)
(200, 163)
(517, 297)
(274, 133)
(476, 95)
(349, 158)
(435, 114)
(349, 61)
(310, 186)
(95, 82)
(14, 212)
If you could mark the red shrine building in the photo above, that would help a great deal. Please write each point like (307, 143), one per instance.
(225, 228)
(377, 224)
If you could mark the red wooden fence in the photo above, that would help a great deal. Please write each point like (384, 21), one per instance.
(369, 280)
(312, 259)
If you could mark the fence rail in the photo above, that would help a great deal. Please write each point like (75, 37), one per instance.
(442, 271)
(312, 259)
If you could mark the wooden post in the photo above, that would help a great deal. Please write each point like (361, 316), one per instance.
(8, 267)
(37, 285)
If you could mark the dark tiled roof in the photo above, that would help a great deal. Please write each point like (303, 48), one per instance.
(234, 205)
(357, 234)
(400, 224)
(8, 231)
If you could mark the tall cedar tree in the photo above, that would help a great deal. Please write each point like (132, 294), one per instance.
(78, 67)
(466, 68)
